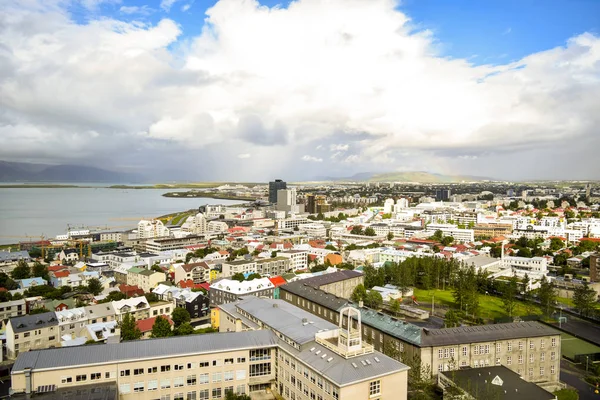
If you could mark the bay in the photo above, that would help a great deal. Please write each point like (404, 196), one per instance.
(47, 211)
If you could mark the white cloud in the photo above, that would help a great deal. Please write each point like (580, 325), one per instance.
(185, 7)
(94, 4)
(143, 10)
(244, 155)
(311, 158)
(360, 78)
(167, 4)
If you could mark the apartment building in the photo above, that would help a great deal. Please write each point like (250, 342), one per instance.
(145, 279)
(298, 258)
(227, 290)
(196, 303)
(534, 264)
(530, 349)
(459, 235)
(14, 308)
(266, 266)
(71, 321)
(31, 332)
(197, 367)
(318, 359)
(138, 307)
(340, 283)
(231, 268)
(157, 245)
(98, 313)
(198, 272)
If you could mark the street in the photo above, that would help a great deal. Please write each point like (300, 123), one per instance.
(571, 376)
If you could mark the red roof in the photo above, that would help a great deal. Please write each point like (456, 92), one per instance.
(54, 268)
(145, 325)
(61, 274)
(130, 290)
(189, 284)
(277, 281)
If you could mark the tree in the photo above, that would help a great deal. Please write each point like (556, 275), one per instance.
(395, 306)
(370, 232)
(94, 286)
(359, 293)
(356, 230)
(273, 254)
(152, 297)
(21, 271)
(41, 271)
(451, 319)
(390, 236)
(437, 236)
(238, 276)
(547, 294)
(525, 252)
(446, 240)
(253, 276)
(39, 310)
(373, 299)
(161, 328)
(129, 330)
(510, 290)
(229, 395)
(157, 267)
(465, 291)
(556, 244)
(7, 283)
(330, 247)
(184, 329)
(179, 316)
(113, 296)
(584, 299)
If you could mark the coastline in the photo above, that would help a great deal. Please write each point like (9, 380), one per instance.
(211, 195)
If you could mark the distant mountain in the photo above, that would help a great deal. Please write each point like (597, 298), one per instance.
(28, 172)
(407, 176)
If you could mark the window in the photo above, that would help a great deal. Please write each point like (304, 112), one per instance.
(178, 382)
(552, 369)
(552, 356)
(497, 360)
(216, 393)
(203, 394)
(190, 365)
(509, 346)
(125, 388)
(498, 347)
(178, 367)
(440, 353)
(66, 379)
(441, 367)
(542, 357)
(125, 372)
(152, 370)
(108, 375)
(531, 358)
(203, 364)
(152, 385)
(191, 380)
(81, 378)
(542, 371)
(531, 346)
(240, 374)
(165, 368)
(553, 342)
(217, 363)
(228, 361)
(165, 397)
(178, 396)
(520, 358)
(228, 389)
(138, 387)
(228, 376)
(260, 369)
(260, 354)
(241, 360)
(216, 377)
(165, 383)
(476, 350)
(138, 371)
(520, 345)
(319, 382)
(203, 379)
(509, 360)
(191, 395)
(542, 343)
(95, 376)
(530, 371)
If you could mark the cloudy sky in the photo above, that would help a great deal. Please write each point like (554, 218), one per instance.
(249, 90)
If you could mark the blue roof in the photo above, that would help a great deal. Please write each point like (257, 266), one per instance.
(25, 283)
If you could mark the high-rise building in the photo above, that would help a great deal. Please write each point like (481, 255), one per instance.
(442, 194)
(274, 186)
(311, 205)
(286, 200)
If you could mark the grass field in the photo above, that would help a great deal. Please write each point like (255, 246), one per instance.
(571, 346)
(489, 307)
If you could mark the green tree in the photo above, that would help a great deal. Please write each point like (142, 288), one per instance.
(359, 293)
(113, 296)
(152, 297)
(556, 244)
(7, 282)
(157, 268)
(447, 240)
(94, 286)
(510, 290)
(373, 299)
(330, 247)
(238, 276)
(584, 299)
(370, 232)
(395, 306)
(273, 254)
(179, 316)
(161, 328)
(129, 330)
(451, 319)
(525, 252)
(184, 329)
(253, 276)
(421, 385)
(357, 230)
(39, 310)
(437, 235)
(547, 295)
(21, 271)
(40, 270)
(390, 236)
(229, 395)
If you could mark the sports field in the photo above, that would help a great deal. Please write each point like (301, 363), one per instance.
(571, 346)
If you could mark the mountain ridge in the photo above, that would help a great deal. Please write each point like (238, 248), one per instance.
(406, 176)
(30, 172)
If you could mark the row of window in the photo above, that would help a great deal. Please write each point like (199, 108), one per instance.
(181, 367)
(202, 379)
(485, 349)
(204, 394)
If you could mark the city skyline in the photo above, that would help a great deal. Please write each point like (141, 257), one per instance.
(237, 90)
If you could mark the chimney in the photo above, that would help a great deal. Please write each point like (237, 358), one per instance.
(27, 380)
(360, 304)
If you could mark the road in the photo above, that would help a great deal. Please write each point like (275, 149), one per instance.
(571, 376)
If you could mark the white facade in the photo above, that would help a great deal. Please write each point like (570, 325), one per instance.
(299, 259)
(536, 264)
(460, 235)
(286, 201)
(314, 230)
(217, 227)
(195, 225)
(151, 229)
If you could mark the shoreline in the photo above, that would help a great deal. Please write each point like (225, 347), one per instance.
(162, 186)
(210, 195)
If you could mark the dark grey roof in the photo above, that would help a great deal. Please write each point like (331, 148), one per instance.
(484, 333)
(293, 322)
(6, 256)
(66, 357)
(342, 371)
(96, 391)
(325, 279)
(37, 321)
(317, 296)
(478, 383)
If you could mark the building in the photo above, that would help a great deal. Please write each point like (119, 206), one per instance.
(152, 229)
(137, 307)
(311, 204)
(314, 230)
(227, 290)
(196, 225)
(274, 187)
(72, 322)
(14, 308)
(530, 349)
(145, 325)
(298, 258)
(266, 266)
(319, 359)
(31, 332)
(495, 382)
(198, 272)
(595, 267)
(443, 194)
(459, 234)
(286, 201)
(492, 230)
(534, 264)
(158, 245)
(340, 283)
(196, 303)
(145, 279)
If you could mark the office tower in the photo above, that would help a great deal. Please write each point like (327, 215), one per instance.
(274, 186)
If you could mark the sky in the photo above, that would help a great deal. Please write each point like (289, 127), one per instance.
(244, 90)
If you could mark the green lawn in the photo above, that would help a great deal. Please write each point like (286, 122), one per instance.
(490, 307)
(571, 346)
